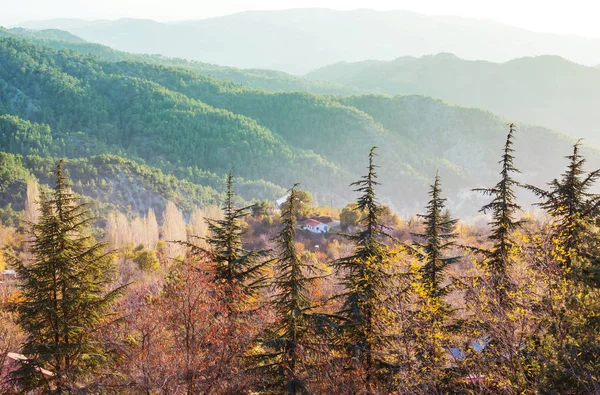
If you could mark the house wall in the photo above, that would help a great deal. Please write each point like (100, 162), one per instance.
(322, 228)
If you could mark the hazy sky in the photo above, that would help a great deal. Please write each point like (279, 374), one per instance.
(558, 16)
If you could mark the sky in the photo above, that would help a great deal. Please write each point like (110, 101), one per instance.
(578, 17)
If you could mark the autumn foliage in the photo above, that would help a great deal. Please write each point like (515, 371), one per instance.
(242, 300)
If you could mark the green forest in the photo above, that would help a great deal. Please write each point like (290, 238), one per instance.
(61, 103)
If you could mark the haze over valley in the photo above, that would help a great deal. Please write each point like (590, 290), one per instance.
(261, 39)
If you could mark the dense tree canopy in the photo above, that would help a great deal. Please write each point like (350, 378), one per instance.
(77, 105)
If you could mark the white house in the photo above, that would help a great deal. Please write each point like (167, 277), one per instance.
(315, 226)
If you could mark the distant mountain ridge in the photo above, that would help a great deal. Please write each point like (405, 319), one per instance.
(47, 34)
(544, 90)
(270, 80)
(301, 40)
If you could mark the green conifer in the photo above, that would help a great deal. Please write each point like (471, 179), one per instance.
(65, 296)
(288, 342)
(572, 207)
(433, 311)
(573, 302)
(503, 208)
(239, 268)
(365, 276)
(438, 238)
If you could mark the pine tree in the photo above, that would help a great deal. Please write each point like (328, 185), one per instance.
(503, 208)
(64, 293)
(288, 341)
(496, 296)
(233, 264)
(365, 276)
(572, 207)
(433, 311)
(573, 296)
(437, 239)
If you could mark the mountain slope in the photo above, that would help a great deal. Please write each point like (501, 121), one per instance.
(64, 104)
(270, 80)
(301, 40)
(545, 90)
(46, 34)
(138, 118)
(113, 181)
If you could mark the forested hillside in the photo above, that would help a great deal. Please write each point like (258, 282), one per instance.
(543, 90)
(269, 80)
(113, 183)
(188, 124)
(262, 39)
(43, 35)
(561, 97)
(95, 111)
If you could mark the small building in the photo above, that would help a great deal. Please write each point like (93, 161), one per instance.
(312, 225)
(331, 223)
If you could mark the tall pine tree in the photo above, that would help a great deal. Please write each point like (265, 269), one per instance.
(503, 209)
(433, 311)
(288, 342)
(64, 294)
(572, 207)
(573, 297)
(365, 276)
(496, 296)
(437, 238)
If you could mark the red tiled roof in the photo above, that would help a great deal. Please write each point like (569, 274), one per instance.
(311, 222)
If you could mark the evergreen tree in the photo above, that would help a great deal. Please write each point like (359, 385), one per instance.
(573, 298)
(238, 267)
(365, 276)
(496, 296)
(503, 208)
(433, 311)
(289, 340)
(64, 294)
(572, 207)
(437, 239)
